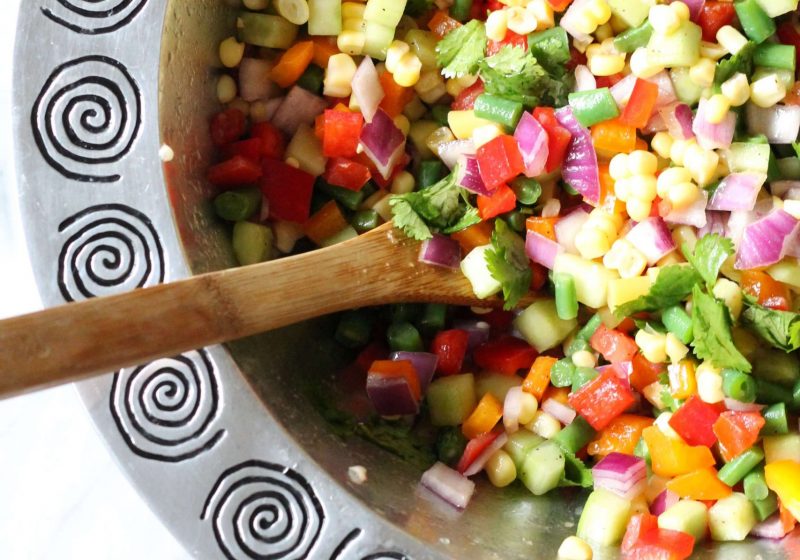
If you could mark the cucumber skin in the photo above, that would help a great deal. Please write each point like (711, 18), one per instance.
(605, 518)
(451, 399)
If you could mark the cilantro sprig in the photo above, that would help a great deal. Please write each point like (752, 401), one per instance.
(460, 51)
(673, 284)
(709, 254)
(781, 329)
(713, 340)
(515, 74)
(508, 263)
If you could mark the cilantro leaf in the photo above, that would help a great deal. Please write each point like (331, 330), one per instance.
(460, 51)
(576, 473)
(673, 285)
(740, 62)
(709, 255)
(515, 74)
(780, 328)
(508, 263)
(713, 339)
(408, 220)
(470, 218)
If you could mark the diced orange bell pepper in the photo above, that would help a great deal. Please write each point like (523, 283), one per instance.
(644, 372)
(395, 96)
(538, 377)
(682, 380)
(326, 222)
(783, 478)
(737, 432)
(559, 5)
(702, 484)
(787, 519)
(485, 416)
(672, 457)
(560, 394)
(543, 226)
(474, 236)
(620, 436)
(613, 137)
(770, 292)
(324, 48)
(441, 24)
(293, 63)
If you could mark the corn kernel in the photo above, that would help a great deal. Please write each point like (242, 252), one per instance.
(681, 10)
(716, 108)
(731, 294)
(544, 424)
(709, 383)
(484, 134)
(625, 259)
(641, 64)
(408, 70)
(453, 87)
(500, 469)
(714, 51)
(600, 11)
(671, 177)
(584, 358)
(226, 89)
(339, 75)
(702, 164)
(463, 123)
(528, 407)
(520, 21)
(736, 89)
(682, 195)
(352, 10)
(592, 243)
(618, 167)
(574, 548)
(606, 64)
(702, 72)
(652, 345)
(231, 52)
(394, 53)
(641, 162)
(401, 121)
(643, 187)
(403, 183)
(661, 144)
(767, 91)
(622, 189)
(678, 150)
(638, 209)
(584, 22)
(730, 39)
(676, 350)
(430, 86)
(604, 32)
(496, 25)
(543, 12)
(351, 42)
(664, 19)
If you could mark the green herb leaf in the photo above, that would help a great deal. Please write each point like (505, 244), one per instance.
(408, 220)
(709, 254)
(515, 74)
(460, 51)
(713, 339)
(673, 285)
(780, 328)
(740, 62)
(576, 473)
(508, 263)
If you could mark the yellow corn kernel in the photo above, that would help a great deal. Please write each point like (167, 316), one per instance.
(618, 167)
(396, 51)
(497, 25)
(606, 64)
(661, 144)
(584, 358)
(641, 162)
(714, 51)
(730, 293)
(702, 164)
(528, 407)
(544, 424)
(643, 187)
(484, 134)
(543, 12)
(520, 21)
(638, 209)
(702, 72)
(500, 469)
(226, 89)
(403, 183)
(453, 87)
(678, 150)
(736, 89)
(709, 383)
(600, 11)
(604, 32)
(716, 108)
(231, 52)
(408, 70)
(622, 189)
(430, 87)
(641, 64)
(671, 177)
(652, 345)
(339, 75)
(625, 259)
(351, 42)
(664, 19)
(684, 234)
(676, 350)
(681, 10)
(401, 121)
(574, 548)
(435, 139)
(352, 10)
(464, 123)
(682, 195)
(730, 39)
(592, 243)
(767, 91)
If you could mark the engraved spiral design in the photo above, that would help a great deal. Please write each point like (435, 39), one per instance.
(93, 17)
(109, 249)
(167, 410)
(265, 511)
(87, 118)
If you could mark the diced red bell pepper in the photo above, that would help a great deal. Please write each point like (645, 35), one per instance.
(273, 144)
(638, 526)
(227, 126)
(714, 16)
(450, 347)
(465, 101)
(346, 173)
(613, 345)
(251, 148)
(511, 38)
(558, 137)
(737, 432)
(474, 448)
(234, 172)
(499, 161)
(644, 540)
(499, 320)
(502, 200)
(341, 131)
(288, 191)
(640, 107)
(602, 399)
(694, 421)
(505, 355)
(608, 81)
(576, 58)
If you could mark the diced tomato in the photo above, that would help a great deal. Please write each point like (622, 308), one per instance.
(602, 399)
(511, 38)
(273, 144)
(539, 276)
(465, 101)
(505, 355)
(502, 200)
(341, 131)
(769, 292)
(450, 347)
(346, 173)
(499, 161)
(613, 345)
(558, 137)
(714, 16)
(576, 58)
(227, 126)
(694, 421)
(494, 5)
(441, 24)
(640, 107)
(288, 191)
(235, 171)
(737, 432)
(252, 149)
(608, 81)
(474, 448)
(788, 35)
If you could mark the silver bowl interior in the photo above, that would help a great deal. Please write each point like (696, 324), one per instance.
(507, 523)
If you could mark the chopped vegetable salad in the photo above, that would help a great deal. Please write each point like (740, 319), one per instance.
(635, 163)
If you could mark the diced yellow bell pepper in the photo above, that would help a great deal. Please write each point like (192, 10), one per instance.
(702, 484)
(484, 417)
(783, 478)
(673, 457)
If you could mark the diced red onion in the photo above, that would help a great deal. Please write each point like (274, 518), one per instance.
(655, 124)
(665, 500)
(469, 176)
(551, 208)
(695, 8)
(391, 395)
(451, 152)
(542, 250)
(254, 80)
(779, 123)
(533, 144)
(693, 215)
(480, 461)
(446, 483)
(512, 406)
(737, 221)
(383, 142)
(622, 90)
(765, 241)
(783, 188)
(738, 406)
(424, 363)
(715, 223)
(653, 238)
(440, 250)
(580, 169)
(678, 118)
(737, 191)
(300, 106)
(625, 475)
(584, 79)
(367, 88)
(567, 228)
(713, 136)
(559, 411)
(271, 107)
(478, 331)
(770, 528)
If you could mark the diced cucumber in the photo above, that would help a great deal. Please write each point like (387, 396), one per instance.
(775, 8)
(497, 384)
(385, 12)
(346, 234)
(779, 448)
(777, 366)
(543, 468)
(451, 399)
(679, 48)
(252, 243)
(591, 278)
(785, 77)
(686, 89)
(324, 17)
(632, 12)
(731, 518)
(787, 271)
(377, 38)
(519, 444)
(541, 326)
(605, 517)
(306, 148)
(265, 30)
(476, 269)
(423, 44)
(689, 516)
(748, 156)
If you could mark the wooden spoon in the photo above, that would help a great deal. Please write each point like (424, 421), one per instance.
(105, 334)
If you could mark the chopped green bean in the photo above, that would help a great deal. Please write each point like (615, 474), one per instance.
(771, 393)
(312, 78)
(755, 485)
(574, 436)
(439, 114)
(757, 25)
(238, 205)
(365, 220)
(766, 507)
(593, 106)
(433, 318)
(252, 243)
(590, 327)
(738, 385)
(577, 345)
(430, 172)
(736, 470)
(561, 373)
(460, 10)
(404, 336)
(347, 198)
(678, 322)
(631, 39)
(354, 329)
(406, 312)
(774, 55)
(550, 47)
(566, 296)
(582, 376)
(499, 110)
(776, 421)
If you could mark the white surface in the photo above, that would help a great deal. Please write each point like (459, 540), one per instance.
(61, 494)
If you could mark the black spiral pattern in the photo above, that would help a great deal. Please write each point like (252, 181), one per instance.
(168, 410)
(386, 556)
(264, 511)
(93, 17)
(340, 552)
(87, 118)
(110, 248)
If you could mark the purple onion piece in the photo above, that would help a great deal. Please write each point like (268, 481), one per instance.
(424, 364)
(542, 250)
(449, 485)
(440, 250)
(580, 169)
(469, 176)
(737, 191)
(300, 106)
(391, 396)
(383, 142)
(533, 144)
(767, 240)
(653, 238)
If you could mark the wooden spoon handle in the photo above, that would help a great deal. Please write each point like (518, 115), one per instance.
(74, 341)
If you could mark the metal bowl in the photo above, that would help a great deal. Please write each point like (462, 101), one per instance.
(221, 441)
